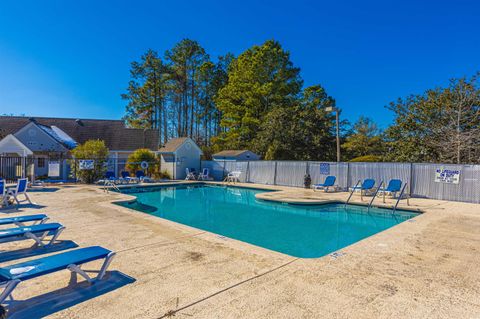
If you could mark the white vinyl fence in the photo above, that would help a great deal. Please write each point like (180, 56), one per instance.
(421, 178)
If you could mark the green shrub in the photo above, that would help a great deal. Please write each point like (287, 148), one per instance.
(142, 155)
(367, 158)
(163, 175)
(90, 150)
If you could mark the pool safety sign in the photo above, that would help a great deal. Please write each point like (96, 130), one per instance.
(85, 164)
(448, 176)
(325, 168)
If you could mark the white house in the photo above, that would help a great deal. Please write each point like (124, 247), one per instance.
(179, 154)
(48, 141)
(236, 155)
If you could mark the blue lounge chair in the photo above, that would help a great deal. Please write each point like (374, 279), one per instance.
(3, 193)
(20, 189)
(141, 177)
(367, 186)
(393, 187)
(11, 276)
(126, 177)
(329, 182)
(37, 233)
(21, 220)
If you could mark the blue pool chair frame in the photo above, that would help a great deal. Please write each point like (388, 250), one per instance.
(394, 186)
(70, 260)
(329, 182)
(21, 220)
(3, 194)
(37, 233)
(20, 189)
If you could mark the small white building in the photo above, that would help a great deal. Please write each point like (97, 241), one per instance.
(178, 154)
(236, 155)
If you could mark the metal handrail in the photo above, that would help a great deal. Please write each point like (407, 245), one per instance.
(110, 184)
(400, 197)
(375, 195)
(351, 193)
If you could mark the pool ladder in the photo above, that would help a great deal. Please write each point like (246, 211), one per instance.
(111, 184)
(375, 195)
(400, 197)
(351, 193)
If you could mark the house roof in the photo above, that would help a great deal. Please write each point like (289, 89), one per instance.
(172, 145)
(11, 144)
(56, 134)
(114, 132)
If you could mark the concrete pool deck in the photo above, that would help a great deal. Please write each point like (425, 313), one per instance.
(427, 267)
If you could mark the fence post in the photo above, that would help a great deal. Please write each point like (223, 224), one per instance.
(411, 181)
(348, 176)
(275, 174)
(247, 173)
(223, 172)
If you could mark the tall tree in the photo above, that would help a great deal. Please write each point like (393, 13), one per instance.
(441, 125)
(185, 60)
(146, 93)
(366, 140)
(260, 80)
(304, 131)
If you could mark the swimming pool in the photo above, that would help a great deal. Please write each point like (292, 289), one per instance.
(296, 230)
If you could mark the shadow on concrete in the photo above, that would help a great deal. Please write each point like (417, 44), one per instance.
(36, 251)
(14, 209)
(37, 189)
(58, 300)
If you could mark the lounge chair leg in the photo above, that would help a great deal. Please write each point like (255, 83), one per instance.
(38, 240)
(9, 287)
(76, 269)
(28, 198)
(57, 233)
(105, 265)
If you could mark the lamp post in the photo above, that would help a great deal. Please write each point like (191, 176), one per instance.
(336, 110)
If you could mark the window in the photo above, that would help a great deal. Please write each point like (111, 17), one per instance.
(41, 162)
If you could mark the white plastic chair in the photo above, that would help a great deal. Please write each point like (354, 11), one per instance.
(233, 177)
(204, 175)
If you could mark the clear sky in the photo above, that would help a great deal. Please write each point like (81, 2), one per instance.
(72, 58)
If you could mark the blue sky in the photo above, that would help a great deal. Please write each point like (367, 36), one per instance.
(71, 58)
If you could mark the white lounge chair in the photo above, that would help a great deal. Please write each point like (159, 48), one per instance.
(190, 174)
(204, 175)
(20, 189)
(233, 177)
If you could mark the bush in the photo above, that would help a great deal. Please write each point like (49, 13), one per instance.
(367, 158)
(163, 175)
(91, 150)
(142, 155)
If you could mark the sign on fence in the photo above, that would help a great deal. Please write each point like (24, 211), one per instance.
(325, 168)
(53, 169)
(85, 164)
(449, 176)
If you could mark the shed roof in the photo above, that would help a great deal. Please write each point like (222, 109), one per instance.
(174, 144)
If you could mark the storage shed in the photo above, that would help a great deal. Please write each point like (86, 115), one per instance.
(178, 154)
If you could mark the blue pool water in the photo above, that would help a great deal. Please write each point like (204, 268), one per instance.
(300, 231)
